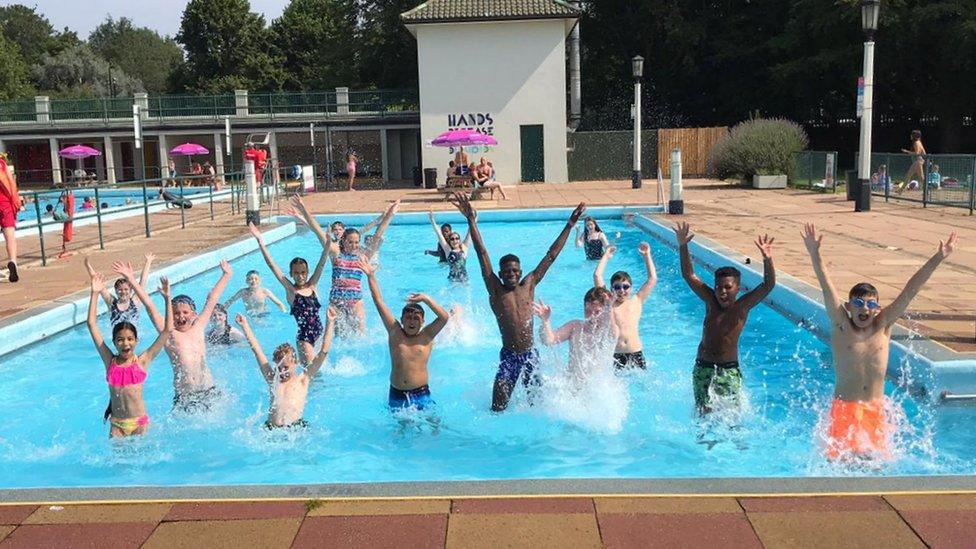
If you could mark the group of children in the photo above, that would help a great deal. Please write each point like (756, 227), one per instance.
(860, 334)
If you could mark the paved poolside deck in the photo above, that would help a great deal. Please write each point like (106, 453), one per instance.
(895, 521)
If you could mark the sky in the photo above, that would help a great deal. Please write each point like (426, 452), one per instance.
(162, 16)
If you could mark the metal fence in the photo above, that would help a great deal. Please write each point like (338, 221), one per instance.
(595, 156)
(946, 179)
(815, 170)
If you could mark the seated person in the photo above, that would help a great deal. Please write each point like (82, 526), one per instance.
(483, 174)
(934, 179)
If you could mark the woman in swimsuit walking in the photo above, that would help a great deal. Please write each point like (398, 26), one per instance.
(300, 291)
(126, 371)
(917, 168)
(351, 160)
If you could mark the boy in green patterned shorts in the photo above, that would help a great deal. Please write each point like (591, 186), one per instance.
(716, 372)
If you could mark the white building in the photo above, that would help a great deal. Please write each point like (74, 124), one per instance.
(498, 67)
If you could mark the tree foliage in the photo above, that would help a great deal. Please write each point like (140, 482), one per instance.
(139, 52)
(317, 41)
(387, 51)
(14, 72)
(31, 32)
(78, 72)
(227, 47)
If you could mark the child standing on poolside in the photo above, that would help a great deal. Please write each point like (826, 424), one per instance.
(193, 383)
(860, 338)
(301, 292)
(455, 252)
(627, 308)
(593, 240)
(255, 296)
(122, 307)
(511, 296)
(126, 371)
(589, 339)
(288, 388)
(716, 372)
(410, 344)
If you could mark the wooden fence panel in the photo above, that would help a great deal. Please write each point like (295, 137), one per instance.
(694, 143)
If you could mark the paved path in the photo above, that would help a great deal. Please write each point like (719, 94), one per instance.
(893, 521)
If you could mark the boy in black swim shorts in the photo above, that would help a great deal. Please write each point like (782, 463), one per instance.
(628, 307)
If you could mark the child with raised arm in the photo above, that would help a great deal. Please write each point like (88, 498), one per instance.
(254, 296)
(860, 338)
(193, 384)
(589, 339)
(593, 240)
(301, 292)
(511, 296)
(347, 290)
(122, 307)
(455, 252)
(716, 372)
(410, 344)
(126, 371)
(627, 308)
(288, 387)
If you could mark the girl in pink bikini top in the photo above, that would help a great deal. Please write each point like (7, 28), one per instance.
(126, 408)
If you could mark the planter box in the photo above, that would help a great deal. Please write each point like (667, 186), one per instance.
(769, 181)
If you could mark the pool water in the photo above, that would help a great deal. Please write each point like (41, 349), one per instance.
(640, 424)
(113, 197)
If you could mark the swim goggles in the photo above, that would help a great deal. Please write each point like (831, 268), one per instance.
(858, 303)
(620, 287)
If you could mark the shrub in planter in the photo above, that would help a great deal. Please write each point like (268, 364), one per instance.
(757, 146)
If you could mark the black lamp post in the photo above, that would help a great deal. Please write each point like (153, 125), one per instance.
(637, 67)
(870, 10)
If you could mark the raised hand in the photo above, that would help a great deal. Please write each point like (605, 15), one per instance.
(256, 232)
(97, 283)
(683, 232)
(608, 253)
(366, 266)
(644, 249)
(541, 310)
(949, 245)
(150, 257)
(580, 209)
(765, 245)
(241, 320)
(463, 204)
(331, 313)
(124, 268)
(811, 239)
(164, 288)
(393, 207)
(88, 265)
(418, 298)
(225, 267)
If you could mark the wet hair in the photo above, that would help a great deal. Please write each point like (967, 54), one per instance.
(184, 299)
(596, 226)
(723, 272)
(280, 352)
(621, 275)
(446, 226)
(597, 294)
(916, 135)
(218, 308)
(342, 241)
(335, 224)
(412, 307)
(252, 272)
(124, 326)
(508, 258)
(119, 283)
(863, 289)
(49, 208)
(297, 261)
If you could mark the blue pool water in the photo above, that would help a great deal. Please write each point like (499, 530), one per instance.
(114, 198)
(635, 425)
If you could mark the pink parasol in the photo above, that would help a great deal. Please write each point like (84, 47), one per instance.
(462, 138)
(77, 152)
(189, 149)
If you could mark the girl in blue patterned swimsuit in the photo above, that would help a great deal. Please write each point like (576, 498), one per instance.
(122, 307)
(455, 251)
(301, 289)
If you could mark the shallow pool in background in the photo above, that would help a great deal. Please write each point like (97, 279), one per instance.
(637, 425)
(113, 197)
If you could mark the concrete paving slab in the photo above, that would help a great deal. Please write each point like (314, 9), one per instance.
(234, 534)
(848, 529)
(666, 505)
(522, 531)
(944, 529)
(377, 532)
(72, 514)
(811, 504)
(379, 507)
(69, 536)
(677, 530)
(15, 514)
(5, 531)
(941, 502)
(522, 505)
(235, 510)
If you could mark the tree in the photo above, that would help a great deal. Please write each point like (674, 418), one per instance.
(388, 53)
(28, 30)
(317, 40)
(14, 72)
(78, 72)
(227, 46)
(139, 52)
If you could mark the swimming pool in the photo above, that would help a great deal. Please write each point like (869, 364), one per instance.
(639, 425)
(113, 197)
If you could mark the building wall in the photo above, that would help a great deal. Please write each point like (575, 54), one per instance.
(512, 72)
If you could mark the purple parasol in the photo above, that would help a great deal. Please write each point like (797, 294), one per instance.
(189, 149)
(77, 152)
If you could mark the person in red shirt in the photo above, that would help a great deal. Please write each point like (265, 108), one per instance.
(9, 206)
(260, 159)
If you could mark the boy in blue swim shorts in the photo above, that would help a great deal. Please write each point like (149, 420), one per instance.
(510, 296)
(410, 344)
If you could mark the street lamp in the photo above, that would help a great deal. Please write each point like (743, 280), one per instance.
(870, 9)
(637, 66)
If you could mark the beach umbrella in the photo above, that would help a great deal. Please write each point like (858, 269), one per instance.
(79, 153)
(462, 138)
(188, 150)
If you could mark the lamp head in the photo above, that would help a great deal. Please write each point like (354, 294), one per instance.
(870, 12)
(637, 65)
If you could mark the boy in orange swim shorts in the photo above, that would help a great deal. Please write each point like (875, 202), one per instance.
(859, 338)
